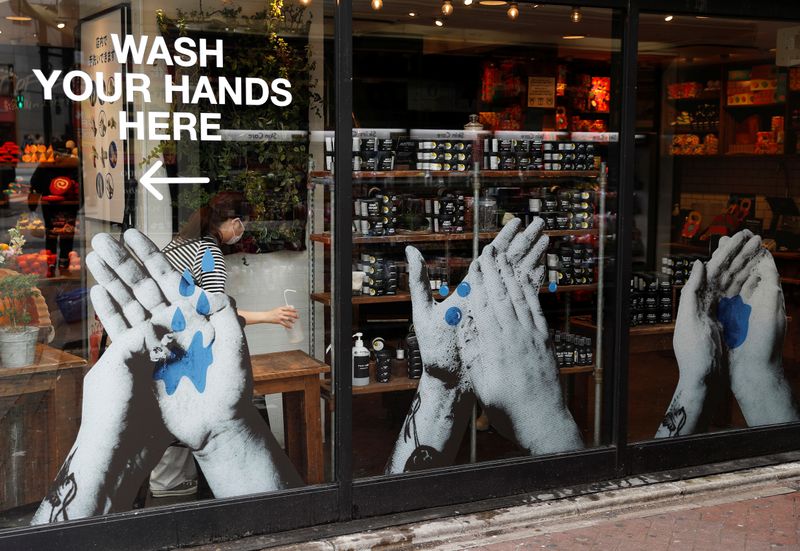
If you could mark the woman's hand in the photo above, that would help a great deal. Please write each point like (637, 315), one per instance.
(282, 315)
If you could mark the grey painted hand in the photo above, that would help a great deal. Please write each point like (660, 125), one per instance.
(202, 377)
(199, 365)
(753, 316)
(505, 344)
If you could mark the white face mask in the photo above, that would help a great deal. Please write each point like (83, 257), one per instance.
(236, 236)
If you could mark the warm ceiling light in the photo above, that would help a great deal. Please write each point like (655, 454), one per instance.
(24, 18)
(305, 2)
(492, 2)
(61, 25)
(513, 11)
(467, 2)
(668, 18)
(438, 22)
(575, 15)
(376, 4)
(412, 14)
(573, 36)
(447, 8)
(701, 16)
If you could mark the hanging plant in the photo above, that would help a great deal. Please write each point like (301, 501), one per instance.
(272, 174)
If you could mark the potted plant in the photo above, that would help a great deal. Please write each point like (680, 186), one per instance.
(17, 336)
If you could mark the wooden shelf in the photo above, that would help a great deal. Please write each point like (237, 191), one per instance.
(399, 384)
(401, 296)
(755, 105)
(522, 174)
(585, 322)
(405, 296)
(395, 384)
(575, 369)
(706, 96)
(683, 129)
(423, 237)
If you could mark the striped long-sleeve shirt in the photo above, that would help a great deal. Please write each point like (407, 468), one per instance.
(188, 254)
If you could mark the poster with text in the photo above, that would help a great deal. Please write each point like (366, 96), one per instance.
(103, 159)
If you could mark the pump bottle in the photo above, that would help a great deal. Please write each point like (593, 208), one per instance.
(360, 362)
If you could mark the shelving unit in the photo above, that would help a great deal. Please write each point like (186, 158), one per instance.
(471, 183)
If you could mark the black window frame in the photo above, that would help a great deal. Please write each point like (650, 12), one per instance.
(346, 499)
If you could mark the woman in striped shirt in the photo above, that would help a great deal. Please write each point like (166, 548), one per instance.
(196, 249)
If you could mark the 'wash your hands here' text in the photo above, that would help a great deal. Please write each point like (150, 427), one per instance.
(161, 125)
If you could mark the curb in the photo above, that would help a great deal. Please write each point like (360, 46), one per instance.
(445, 533)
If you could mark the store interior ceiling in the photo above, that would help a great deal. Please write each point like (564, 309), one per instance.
(469, 29)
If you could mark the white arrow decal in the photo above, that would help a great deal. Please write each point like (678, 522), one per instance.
(147, 180)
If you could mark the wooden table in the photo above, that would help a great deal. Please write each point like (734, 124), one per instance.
(40, 408)
(295, 374)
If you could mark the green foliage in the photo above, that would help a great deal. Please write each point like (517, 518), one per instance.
(15, 292)
(271, 174)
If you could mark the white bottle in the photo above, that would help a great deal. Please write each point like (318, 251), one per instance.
(295, 334)
(360, 362)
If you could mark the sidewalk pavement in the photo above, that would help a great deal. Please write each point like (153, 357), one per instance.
(749, 510)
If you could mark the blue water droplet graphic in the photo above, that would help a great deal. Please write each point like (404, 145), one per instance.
(463, 289)
(207, 264)
(453, 315)
(444, 290)
(178, 321)
(186, 286)
(203, 307)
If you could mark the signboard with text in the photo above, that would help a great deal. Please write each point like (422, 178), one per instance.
(102, 151)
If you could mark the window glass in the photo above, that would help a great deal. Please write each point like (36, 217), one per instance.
(156, 336)
(715, 239)
(481, 132)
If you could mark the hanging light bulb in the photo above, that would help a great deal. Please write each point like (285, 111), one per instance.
(305, 3)
(668, 18)
(513, 11)
(376, 4)
(447, 8)
(438, 22)
(575, 15)
(61, 25)
(467, 2)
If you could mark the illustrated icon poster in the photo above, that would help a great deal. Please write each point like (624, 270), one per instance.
(102, 156)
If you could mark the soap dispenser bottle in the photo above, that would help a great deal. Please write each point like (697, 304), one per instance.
(360, 362)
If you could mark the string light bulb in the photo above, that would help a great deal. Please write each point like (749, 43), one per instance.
(61, 25)
(575, 15)
(467, 2)
(438, 22)
(513, 11)
(447, 8)
(376, 4)
(668, 18)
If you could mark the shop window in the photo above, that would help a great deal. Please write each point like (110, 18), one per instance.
(155, 328)
(481, 149)
(715, 239)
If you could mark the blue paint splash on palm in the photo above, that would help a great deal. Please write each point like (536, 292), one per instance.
(734, 315)
(463, 289)
(207, 264)
(444, 290)
(186, 286)
(193, 365)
